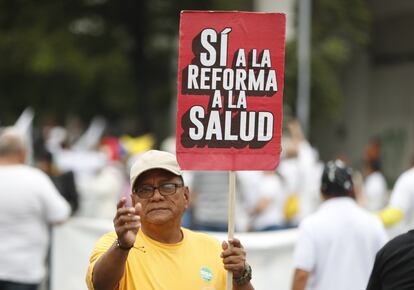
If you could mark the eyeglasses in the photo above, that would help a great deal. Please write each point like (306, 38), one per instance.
(147, 191)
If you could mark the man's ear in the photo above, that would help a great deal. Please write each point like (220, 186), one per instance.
(186, 196)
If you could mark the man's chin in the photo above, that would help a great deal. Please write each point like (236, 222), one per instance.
(159, 216)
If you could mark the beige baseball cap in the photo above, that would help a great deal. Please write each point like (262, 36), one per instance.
(154, 159)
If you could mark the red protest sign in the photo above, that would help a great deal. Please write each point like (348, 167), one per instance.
(230, 90)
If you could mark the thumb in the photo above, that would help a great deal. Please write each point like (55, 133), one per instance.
(138, 208)
(224, 245)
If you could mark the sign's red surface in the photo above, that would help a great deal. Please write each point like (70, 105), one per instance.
(230, 90)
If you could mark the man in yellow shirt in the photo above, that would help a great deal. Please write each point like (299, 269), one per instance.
(150, 251)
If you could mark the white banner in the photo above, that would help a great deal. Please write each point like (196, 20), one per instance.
(269, 254)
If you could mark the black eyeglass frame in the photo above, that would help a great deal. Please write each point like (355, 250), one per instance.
(160, 190)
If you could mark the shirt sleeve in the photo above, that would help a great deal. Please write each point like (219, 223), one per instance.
(103, 244)
(304, 253)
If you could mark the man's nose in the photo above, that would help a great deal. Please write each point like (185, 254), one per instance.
(157, 194)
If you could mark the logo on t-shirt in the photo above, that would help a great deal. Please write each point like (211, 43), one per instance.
(206, 274)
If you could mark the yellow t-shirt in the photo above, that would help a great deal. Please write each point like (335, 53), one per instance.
(193, 264)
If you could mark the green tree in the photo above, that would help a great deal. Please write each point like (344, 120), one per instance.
(339, 30)
(106, 57)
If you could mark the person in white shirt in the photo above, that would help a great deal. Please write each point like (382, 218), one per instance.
(29, 203)
(336, 246)
(374, 190)
(400, 210)
(266, 213)
(300, 169)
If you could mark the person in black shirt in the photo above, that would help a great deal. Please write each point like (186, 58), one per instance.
(64, 182)
(394, 265)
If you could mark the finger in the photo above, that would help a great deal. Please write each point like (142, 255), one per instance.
(235, 264)
(125, 215)
(235, 243)
(124, 211)
(233, 251)
(123, 228)
(224, 245)
(121, 203)
(127, 219)
(138, 208)
(229, 247)
(232, 243)
(236, 270)
(128, 227)
(234, 260)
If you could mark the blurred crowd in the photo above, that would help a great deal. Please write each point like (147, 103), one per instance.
(90, 169)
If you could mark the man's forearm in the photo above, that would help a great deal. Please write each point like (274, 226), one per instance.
(300, 279)
(109, 269)
(247, 286)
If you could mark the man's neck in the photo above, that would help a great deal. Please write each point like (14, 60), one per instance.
(167, 234)
(10, 160)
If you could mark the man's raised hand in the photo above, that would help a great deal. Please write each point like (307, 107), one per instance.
(127, 222)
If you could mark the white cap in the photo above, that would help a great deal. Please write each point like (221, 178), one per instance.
(154, 159)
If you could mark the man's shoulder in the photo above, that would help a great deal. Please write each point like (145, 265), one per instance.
(26, 169)
(405, 179)
(28, 174)
(409, 172)
(399, 241)
(316, 218)
(327, 216)
(397, 250)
